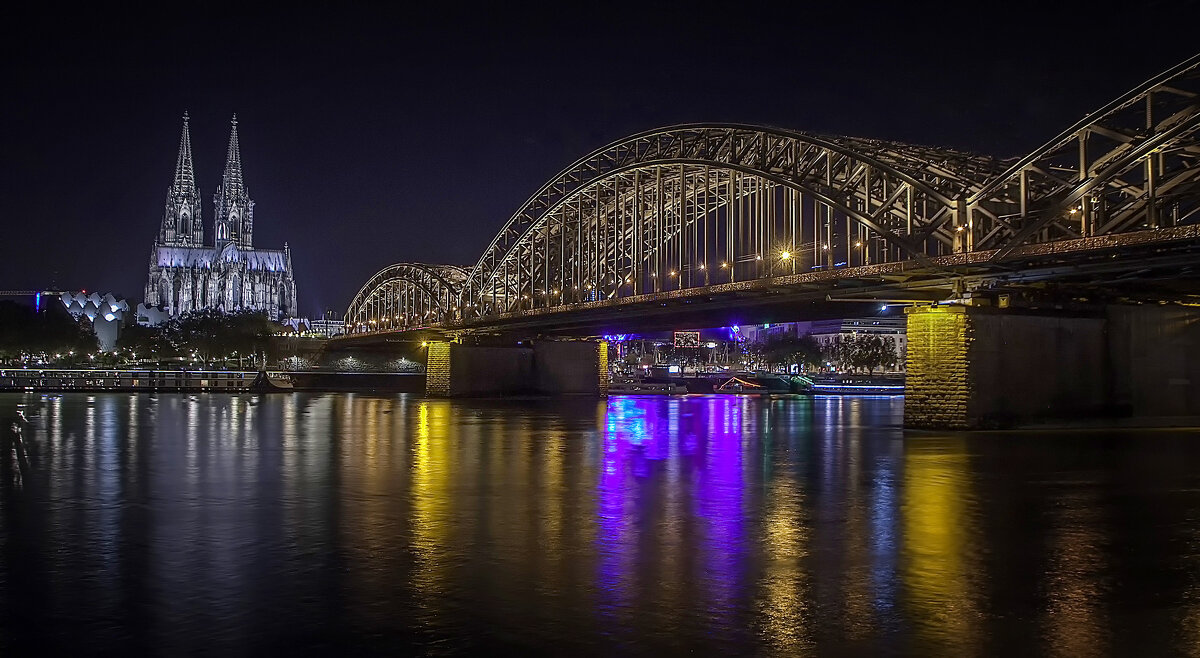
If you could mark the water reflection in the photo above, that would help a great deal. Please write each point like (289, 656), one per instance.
(937, 576)
(634, 525)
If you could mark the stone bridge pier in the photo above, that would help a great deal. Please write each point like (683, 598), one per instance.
(576, 367)
(983, 367)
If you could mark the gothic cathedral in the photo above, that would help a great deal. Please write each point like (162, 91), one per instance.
(187, 275)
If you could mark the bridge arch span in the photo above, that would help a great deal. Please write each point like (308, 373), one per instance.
(713, 203)
(405, 296)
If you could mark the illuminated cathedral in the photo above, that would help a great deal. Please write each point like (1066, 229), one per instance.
(229, 274)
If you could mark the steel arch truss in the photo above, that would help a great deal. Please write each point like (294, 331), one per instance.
(406, 296)
(695, 205)
(1131, 165)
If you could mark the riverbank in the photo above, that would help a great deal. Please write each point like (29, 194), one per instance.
(199, 381)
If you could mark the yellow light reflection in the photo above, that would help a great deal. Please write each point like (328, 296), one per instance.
(936, 559)
(787, 618)
(430, 495)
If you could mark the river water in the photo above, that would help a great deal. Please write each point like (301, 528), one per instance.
(308, 523)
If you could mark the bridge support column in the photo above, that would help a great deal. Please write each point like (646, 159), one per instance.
(937, 385)
(977, 367)
(547, 368)
(1155, 355)
(437, 369)
(571, 367)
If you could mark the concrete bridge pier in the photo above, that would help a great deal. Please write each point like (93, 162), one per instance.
(979, 367)
(577, 367)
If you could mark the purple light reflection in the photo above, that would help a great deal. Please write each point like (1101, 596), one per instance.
(720, 486)
(701, 532)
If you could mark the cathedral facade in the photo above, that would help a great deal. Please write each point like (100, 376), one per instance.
(229, 273)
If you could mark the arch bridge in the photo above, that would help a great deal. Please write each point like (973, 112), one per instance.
(406, 296)
(727, 214)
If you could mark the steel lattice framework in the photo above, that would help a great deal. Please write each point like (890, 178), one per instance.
(696, 206)
(406, 296)
(1134, 164)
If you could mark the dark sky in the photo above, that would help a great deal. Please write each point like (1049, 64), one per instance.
(376, 136)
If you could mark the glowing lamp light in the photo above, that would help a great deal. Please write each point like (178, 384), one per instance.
(858, 244)
(785, 255)
(758, 257)
(824, 247)
(110, 317)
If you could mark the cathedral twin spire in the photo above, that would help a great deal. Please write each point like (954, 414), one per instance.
(234, 220)
(235, 210)
(231, 180)
(181, 223)
(185, 179)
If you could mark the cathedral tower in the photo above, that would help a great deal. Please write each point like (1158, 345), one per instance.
(181, 225)
(234, 220)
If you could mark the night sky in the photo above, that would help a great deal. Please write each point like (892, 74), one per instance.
(371, 137)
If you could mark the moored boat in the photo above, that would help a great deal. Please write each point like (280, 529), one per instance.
(271, 382)
(645, 386)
